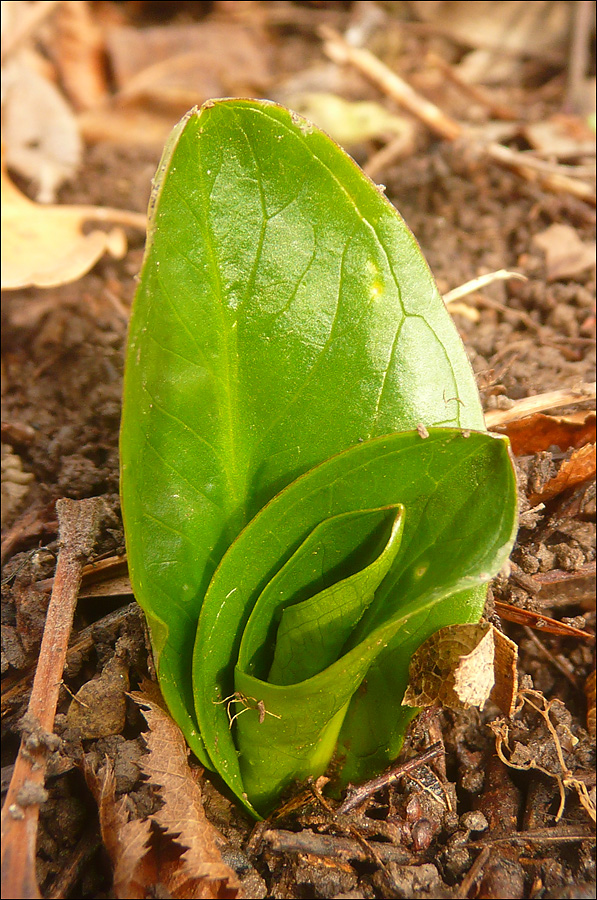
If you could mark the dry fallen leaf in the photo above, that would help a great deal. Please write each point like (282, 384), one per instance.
(201, 872)
(44, 246)
(540, 432)
(505, 669)
(501, 32)
(76, 45)
(461, 666)
(566, 256)
(127, 842)
(561, 136)
(528, 406)
(574, 471)
(349, 122)
(40, 134)
(174, 850)
(15, 485)
(182, 65)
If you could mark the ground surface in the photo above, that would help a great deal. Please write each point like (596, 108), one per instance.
(496, 835)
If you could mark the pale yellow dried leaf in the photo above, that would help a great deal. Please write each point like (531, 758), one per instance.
(453, 668)
(348, 122)
(44, 246)
(40, 134)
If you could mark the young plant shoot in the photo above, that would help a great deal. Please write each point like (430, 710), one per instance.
(308, 488)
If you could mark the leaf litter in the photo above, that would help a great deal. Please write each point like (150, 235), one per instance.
(45, 245)
(176, 846)
(440, 198)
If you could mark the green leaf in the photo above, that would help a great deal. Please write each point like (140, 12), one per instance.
(453, 538)
(284, 314)
(312, 633)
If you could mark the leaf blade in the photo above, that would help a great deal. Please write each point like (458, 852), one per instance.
(401, 468)
(261, 261)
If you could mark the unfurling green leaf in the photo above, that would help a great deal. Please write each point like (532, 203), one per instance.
(293, 533)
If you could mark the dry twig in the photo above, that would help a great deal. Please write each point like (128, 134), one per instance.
(357, 795)
(470, 287)
(78, 521)
(342, 53)
(529, 405)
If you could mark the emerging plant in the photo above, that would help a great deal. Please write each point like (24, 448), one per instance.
(307, 486)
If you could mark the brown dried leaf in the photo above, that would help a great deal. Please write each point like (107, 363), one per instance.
(501, 32)
(200, 872)
(127, 842)
(540, 432)
(183, 65)
(574, 471)
(566, 256)
(561, 136)
(505, 689)
(453, 668)
(175, 847)
(77, 47)
(44, 246)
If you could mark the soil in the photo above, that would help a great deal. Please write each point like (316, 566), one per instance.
(488, 830)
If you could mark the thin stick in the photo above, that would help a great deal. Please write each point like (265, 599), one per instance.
(529, 405)
(472, 90)
(342, 53)
(530, 619)
(469, 287)
(78, 521)
(329, 846)
(106, 214)
(356, 795)
(533, 169)
(473, 874)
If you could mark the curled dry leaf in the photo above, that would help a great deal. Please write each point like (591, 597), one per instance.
(528, 406)
(178, 66)
(505, 669)
(461, 666)
(44, 246)
(510, 27)
(15, 484)
(540, 432)
(201, 871)
(574, 471)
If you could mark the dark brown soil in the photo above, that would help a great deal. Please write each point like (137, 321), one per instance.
(497, 834)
